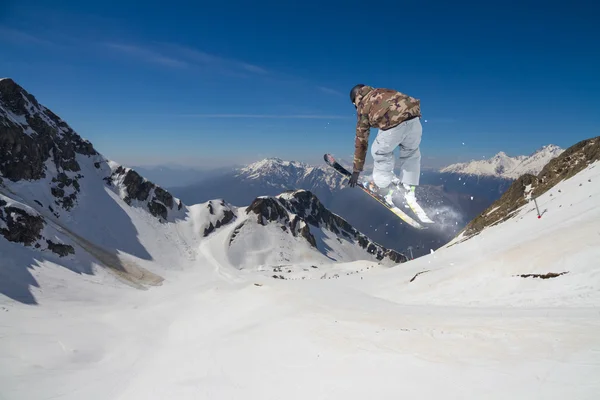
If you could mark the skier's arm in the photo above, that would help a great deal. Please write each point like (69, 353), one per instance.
(361, 143)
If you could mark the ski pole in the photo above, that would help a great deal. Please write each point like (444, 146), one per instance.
(537, 208)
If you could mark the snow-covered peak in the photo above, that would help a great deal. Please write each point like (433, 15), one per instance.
(503, 166)
(549, 149)
(271, 166)
(303, 230)
(286, 175)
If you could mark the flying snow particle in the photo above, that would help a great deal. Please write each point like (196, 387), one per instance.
(463, 143)
(471, 197)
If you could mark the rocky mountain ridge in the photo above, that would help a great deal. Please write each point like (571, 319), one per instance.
(298, 211)
(527, 187)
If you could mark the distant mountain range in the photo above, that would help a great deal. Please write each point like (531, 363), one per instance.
(504, 166)
(453, 208)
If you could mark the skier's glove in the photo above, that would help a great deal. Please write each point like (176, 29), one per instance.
(354, 179)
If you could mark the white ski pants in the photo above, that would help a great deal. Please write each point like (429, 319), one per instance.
(407, 135)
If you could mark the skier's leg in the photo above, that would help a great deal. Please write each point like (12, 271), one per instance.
(410, 154)
(382, 151)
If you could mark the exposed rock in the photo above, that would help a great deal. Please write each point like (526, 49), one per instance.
(20, 226)
(569, 163)
(502, 209)
(157, 209)
(228, 216)
(417, 274)
(140, 189)
(30, 135)
(269, 209)
(308, 211)
(60, 249)
(549, 275)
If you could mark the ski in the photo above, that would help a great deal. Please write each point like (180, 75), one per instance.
(330, 160)
(418, 210)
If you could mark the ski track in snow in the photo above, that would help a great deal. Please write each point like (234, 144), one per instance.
(467, 328)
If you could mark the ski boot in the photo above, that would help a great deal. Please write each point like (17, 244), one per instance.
(409, 200)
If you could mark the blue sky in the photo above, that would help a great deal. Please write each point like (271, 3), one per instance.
(212, 83)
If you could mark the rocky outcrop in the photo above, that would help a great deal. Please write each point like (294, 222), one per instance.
(224, 216)
(296, 211)
(158, 200)
(21, 225)
(566, 165)
(269, 209)
(513, 199)
(31, 135)
(35, 144)
(62, 250)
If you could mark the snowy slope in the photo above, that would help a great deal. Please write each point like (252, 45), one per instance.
(470, 324)
(295, 228)
(466, 322)
(64, 204)
(503, 166)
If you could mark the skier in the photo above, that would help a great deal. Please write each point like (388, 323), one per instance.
(398, 117)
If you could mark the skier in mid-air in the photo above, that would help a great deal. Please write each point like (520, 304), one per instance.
(398, 117)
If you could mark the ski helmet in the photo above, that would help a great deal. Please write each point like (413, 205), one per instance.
(354, 91)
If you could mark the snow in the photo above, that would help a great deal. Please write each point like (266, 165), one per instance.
(528, 191)
(282, 173)
(492, 210)
(258, 247)
(503, 166)
(466, 328)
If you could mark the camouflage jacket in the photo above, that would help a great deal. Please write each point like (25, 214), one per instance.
(383, 109)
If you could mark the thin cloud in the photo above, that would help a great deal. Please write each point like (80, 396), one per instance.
(254, 68)
(265, 116)
(327, 90)
(147, 55)
(20, 37)
(202, 59)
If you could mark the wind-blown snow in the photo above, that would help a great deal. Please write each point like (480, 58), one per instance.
(503, 166)
(458, 323)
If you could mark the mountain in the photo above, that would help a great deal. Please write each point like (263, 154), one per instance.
(282, 230)
(451, 205)
(270, 176)
(530, 187)
(503, 166)
(511, 311)
(64, 205)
